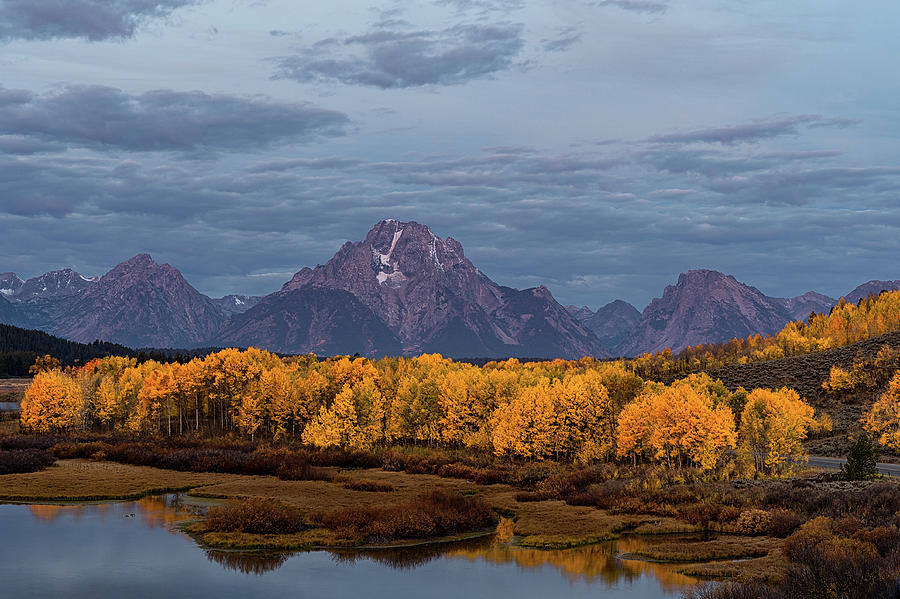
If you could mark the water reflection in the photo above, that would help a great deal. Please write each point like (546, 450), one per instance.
(247, 563)
(598, 563)
(583, 567)
(162, 511)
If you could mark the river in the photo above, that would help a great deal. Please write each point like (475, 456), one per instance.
(134, 550)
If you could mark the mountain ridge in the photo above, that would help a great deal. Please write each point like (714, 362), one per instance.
(401, 290)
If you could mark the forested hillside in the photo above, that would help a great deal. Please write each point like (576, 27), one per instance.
(20, 347)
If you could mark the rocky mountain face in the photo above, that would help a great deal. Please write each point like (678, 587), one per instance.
(9, 284)
(403, 290)
(52, 285)
(706, 306)
(236, 304)
(800, 307)
(10, 314)
(612, 323)
(323, 321)
(870, 288)
(434, 299)
(140, 303)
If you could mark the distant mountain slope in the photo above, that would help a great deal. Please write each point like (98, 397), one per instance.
(312, 319)
(9, 284)
(799, 308)
(10, 314)
(706, 306)
(236, 304)
(142, 304)
(871, 288)
(54, 284)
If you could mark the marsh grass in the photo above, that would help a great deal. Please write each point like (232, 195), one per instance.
(78, 480)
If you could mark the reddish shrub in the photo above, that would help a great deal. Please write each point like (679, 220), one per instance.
(255, 515)
(24, 460)
(434, 513)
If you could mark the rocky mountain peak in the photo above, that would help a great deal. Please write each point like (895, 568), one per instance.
(873, 287)
(139, 263)
(143, 304)
(9, 283)
(434, 299)
(53, 284)
(705, 306)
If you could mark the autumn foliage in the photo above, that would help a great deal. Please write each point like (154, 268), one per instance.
(580, 411)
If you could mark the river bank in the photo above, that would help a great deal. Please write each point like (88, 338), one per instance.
(542, 525)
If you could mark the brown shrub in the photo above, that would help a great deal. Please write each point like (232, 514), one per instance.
(753, 522)
(24, 460)
(303, 471)
(435, 513)
(71, 451)
(702, 514)
(883, 538)
(782, 522)
(255, 515)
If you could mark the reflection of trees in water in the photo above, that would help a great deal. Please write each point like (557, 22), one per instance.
(598, 563)
(154, 511)
(408, 558)
(247, 563)
(591, 563)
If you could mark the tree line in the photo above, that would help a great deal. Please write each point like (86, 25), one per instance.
(583, 411)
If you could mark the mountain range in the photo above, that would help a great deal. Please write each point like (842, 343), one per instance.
(402, 290)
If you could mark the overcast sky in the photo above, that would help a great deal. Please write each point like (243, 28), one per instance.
(597, 147)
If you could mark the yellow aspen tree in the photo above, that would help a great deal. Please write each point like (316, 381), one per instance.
(883, 418)
(336, 426)
(52, 403)
(525, 426)
(773, 427)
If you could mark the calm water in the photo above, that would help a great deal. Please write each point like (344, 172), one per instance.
(9, 406)
(100, 551)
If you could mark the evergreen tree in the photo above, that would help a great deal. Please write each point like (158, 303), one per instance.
(862, 459)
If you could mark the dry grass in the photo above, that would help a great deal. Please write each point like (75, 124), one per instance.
(721, 548)
(14, 387)
(308, 539)
(324, 496)
(78, 480)
(768, 569)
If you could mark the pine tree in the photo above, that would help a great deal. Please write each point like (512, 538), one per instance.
(862, 459)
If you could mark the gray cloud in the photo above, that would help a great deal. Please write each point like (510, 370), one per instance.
(19, 144)
(587, 223)
(387, 58)
(483, 6)
(639, 6)
(754, 131)
(94, 116)
(93, 20)
(567, 38)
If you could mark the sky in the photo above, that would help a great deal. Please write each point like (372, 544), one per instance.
(598, 147)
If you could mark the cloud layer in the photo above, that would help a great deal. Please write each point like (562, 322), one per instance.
(392, 58)
(93, 20)
(105, 117)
